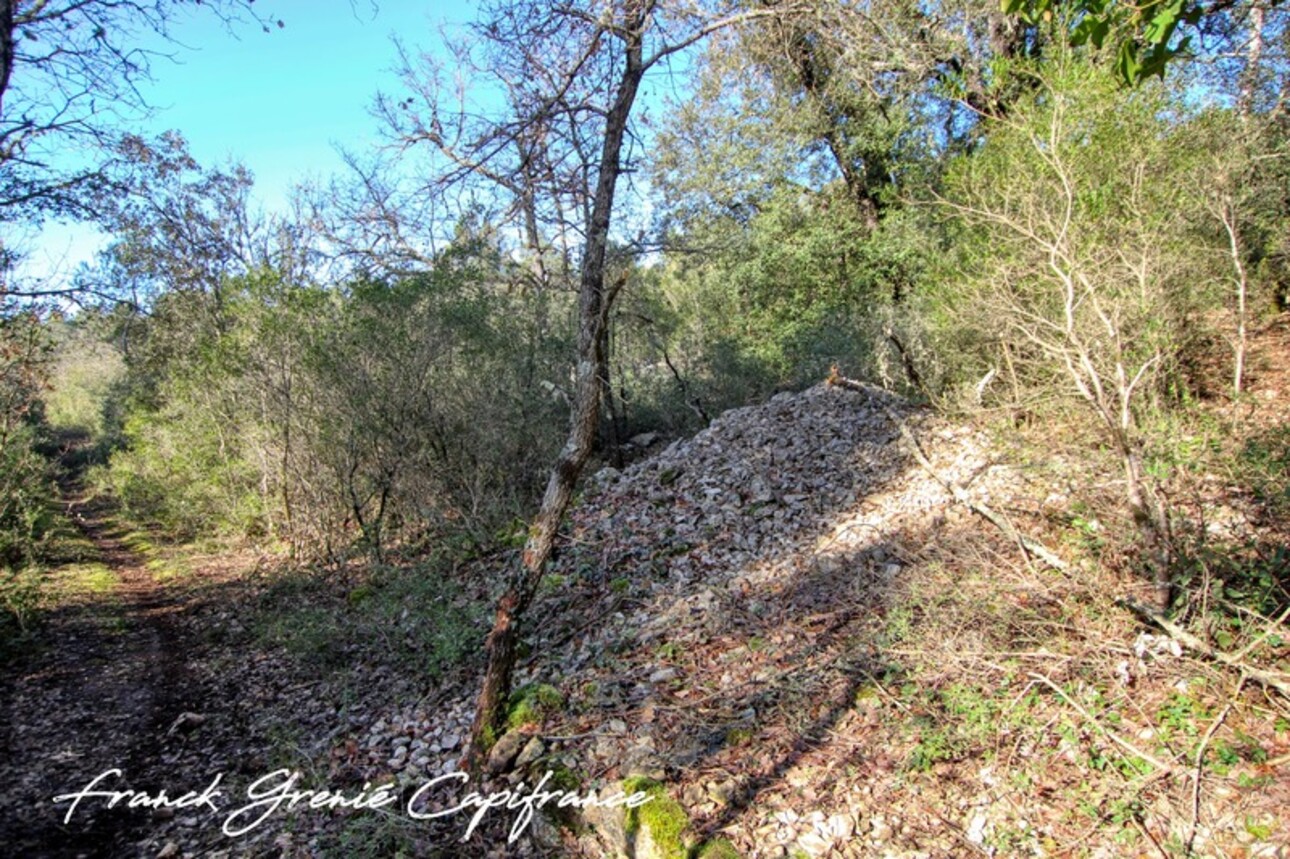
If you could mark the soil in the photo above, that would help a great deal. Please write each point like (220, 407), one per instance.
(98, 690)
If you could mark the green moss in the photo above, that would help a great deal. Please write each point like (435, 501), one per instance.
(531, 704)
(167, 569)
(360, 594)
(514, 535)
(662, 818)
(738, 736)
(867, 692)
(717, 849)
(619, 585)
(138, 542)
(565, 779)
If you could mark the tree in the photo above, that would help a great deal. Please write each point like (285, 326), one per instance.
(868, 92)
(567, 76)
(1148, 36)
(1082, 268)
(70, 72)
(179, 227)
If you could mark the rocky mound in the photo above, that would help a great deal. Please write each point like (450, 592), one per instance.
(727, 591)
(788, 633)
(711, 614)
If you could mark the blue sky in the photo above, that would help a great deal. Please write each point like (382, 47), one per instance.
(279, 102)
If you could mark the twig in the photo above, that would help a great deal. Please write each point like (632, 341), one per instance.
(1244, 651)
(1200, 765)
(882, 690)
(955, 828)
(1142, 827)
(1030, 546)
(1274, 679)
(568, 738)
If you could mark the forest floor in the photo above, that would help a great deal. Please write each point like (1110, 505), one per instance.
(98, 692)
(784, 622)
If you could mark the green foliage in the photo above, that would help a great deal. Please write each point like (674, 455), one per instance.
(1143, 32)
(21, 596)
(1085, 281)
(1264, 463)
(719, 848)
(25, 497)
(84, 379)
(1258, 829)
(1182, 715)
(183, 469)
(960, 720)
(392, 411)
(26, 485)
(94, 578)
(785, 295)
(373, 836)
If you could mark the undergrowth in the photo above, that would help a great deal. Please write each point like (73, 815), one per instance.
(1013, 680)
(412, 616)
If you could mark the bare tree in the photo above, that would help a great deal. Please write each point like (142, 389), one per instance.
(564, 80)
(71, 70)
(178, 226)
(1086, 269)
(70, 75)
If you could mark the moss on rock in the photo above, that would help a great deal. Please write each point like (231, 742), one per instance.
(659, 826)
(531, 704)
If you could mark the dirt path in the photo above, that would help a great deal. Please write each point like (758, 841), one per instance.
(97, 691)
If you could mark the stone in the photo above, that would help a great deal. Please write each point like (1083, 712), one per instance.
(840, 827)
(723, 793)
(813, 844)
(532, 750)
(505, 751)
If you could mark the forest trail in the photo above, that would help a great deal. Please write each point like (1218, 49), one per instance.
(98, 691)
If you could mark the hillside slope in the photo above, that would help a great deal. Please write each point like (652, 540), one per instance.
(789, 628)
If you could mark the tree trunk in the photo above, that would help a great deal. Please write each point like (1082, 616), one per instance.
(6, 48)
(594, 302)
(1152, 523)
(1253, 56)
(1227, 214)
